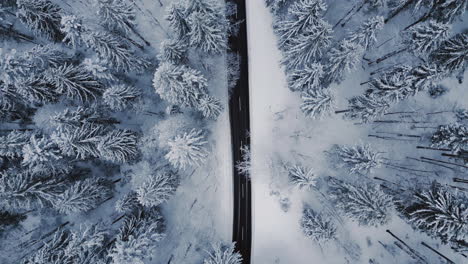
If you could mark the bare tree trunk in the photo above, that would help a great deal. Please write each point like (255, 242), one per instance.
(460, 180)
(388, 55)
(431, 148)
(351, 16)
(414, 252)
(342, 111)
(437, 252)
(341, 19)
(433, 163)
(445, 162)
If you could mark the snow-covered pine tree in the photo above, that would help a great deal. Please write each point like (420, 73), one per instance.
(364, 203)
(424, 38)
(137, 239)
(365, 35)
(22, 189)
(11, 145)
(177, 18)
(128, 203)
(301, 176)
(80, 142)
(74, 118)
(41, 16)
(392, 85)
(74, 82)
(209, 106)
(453, 136)
(306, 78)
(424, 76)
(206, 34)
(52, 251)
(304, 16)
(72, 28)
(305, 48)
(276, 5)
(98, 68)
(187, 149)
(342, 59)
(179, 85)
(115, 52)
(448, 11)
(360, 158)
(42, 152)
(317, 227)
(118, 146)
(366, 108)
(317, 103)
(35, 90)
(173, 51)
(158, 188)
(440, 213)
(223, 254)
(82, 196)
(452, 53)
(116, 15)
(120, 96)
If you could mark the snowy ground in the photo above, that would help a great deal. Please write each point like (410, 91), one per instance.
(280, 132)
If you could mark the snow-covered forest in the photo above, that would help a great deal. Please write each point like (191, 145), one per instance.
(114, 135)
(368, 112)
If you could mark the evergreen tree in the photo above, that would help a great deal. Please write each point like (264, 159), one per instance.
(304, 49)
(453, 136)
(74, 82)
(176, 17)
(157, 189)
(82, 196)
(40, 152)
(187, 149)
(206, 34)
(392, 85)
(53, 251)
(173, 51)
(41, 16)
(365, 35)
(317, 103)
(304, 16)
(307, 78)
(364, 203)
(440, 213)
(25, 190)
(98, 69)
(223, 254)
(424, 77)
(128, 203)
(452, 54)
(137, 239)
(180, 84)
(35, 90)
(75, 118)
(72, 29)
(425, 38)
(115, 52)
(360, 158)
(116, 15)
(80, 142)
(317, 227)
(301, 176)
(342, 59)
(120, 96)
(118, 146)
(366, 108)
(11, 145)
(448, 11)
(209, 106)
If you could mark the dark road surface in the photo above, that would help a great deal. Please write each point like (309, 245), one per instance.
(240, 127)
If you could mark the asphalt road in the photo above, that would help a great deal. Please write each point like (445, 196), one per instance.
(240, 127)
